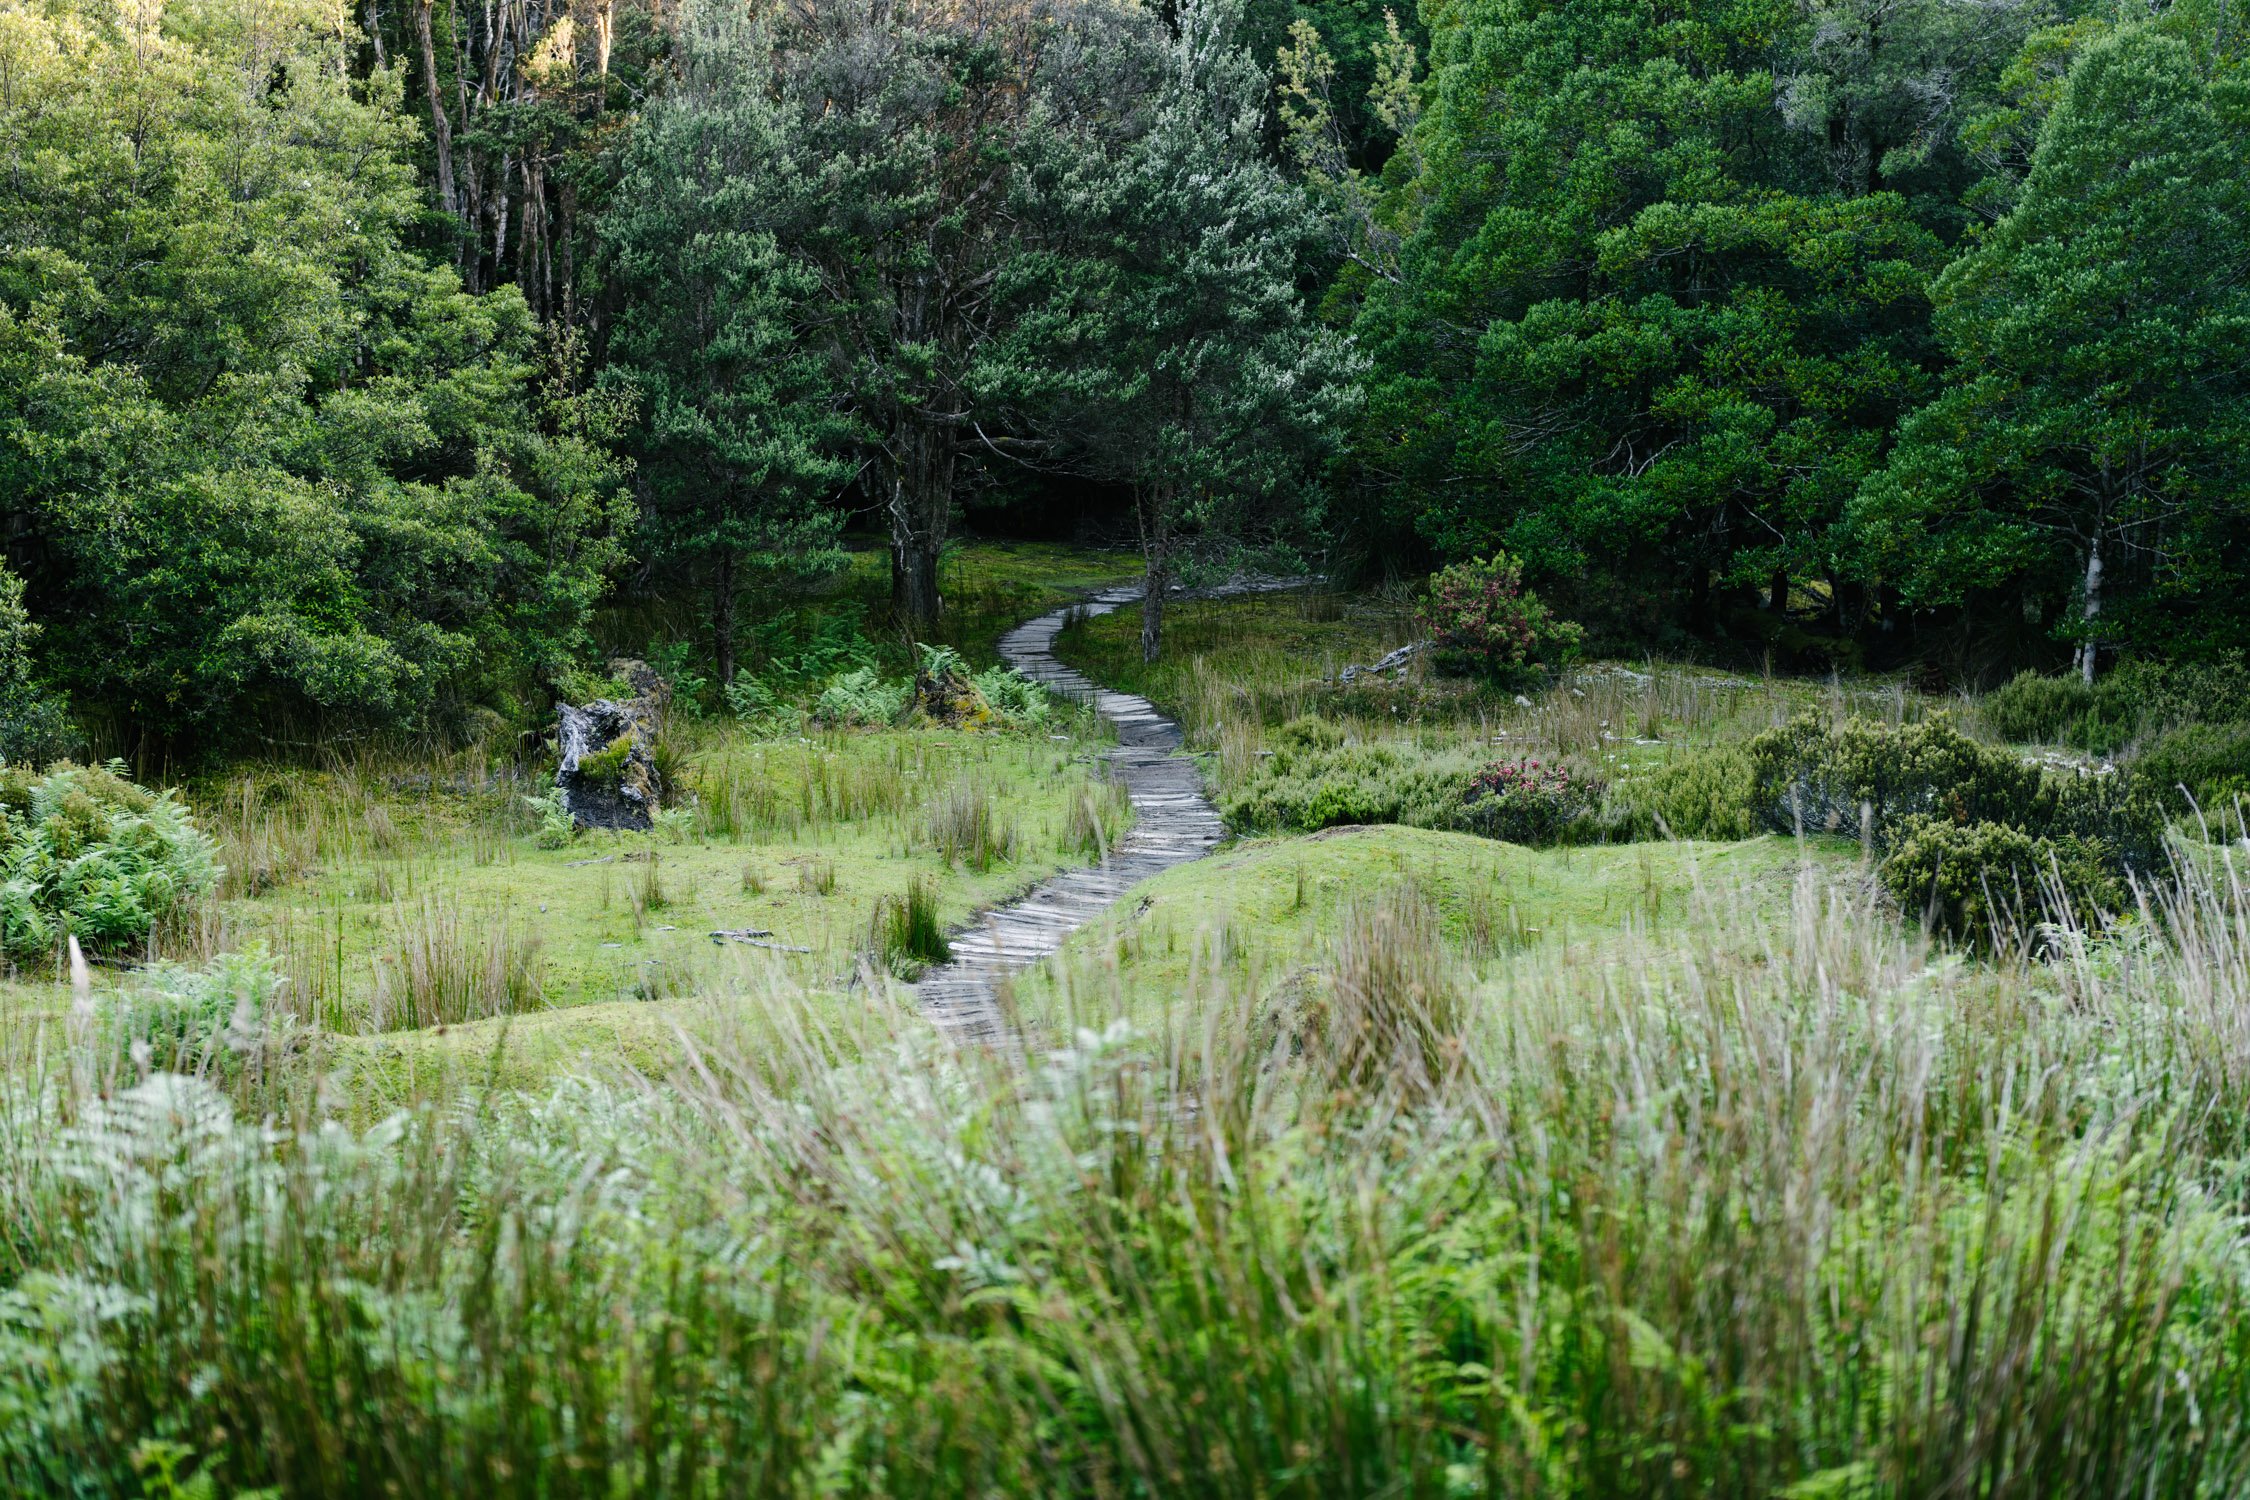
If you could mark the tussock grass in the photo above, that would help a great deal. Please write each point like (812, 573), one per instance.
(1391, 1010)
(966, 828)
(442, 968)
(908, 933)
(1099, 815)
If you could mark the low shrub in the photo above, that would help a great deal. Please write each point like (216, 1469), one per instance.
(2037, 708)
(85, 851)
(1982, 882)
(1965, 828)
(1707, 794)
(1530, 802)
(1303, 786)
(2208, 762)
(1484, 622)
(2138, 701)
(1818, 778)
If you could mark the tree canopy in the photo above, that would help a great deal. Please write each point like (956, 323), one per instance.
(350, 362)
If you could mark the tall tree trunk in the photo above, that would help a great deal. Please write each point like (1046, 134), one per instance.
(722, 615)
(1153, 504)
(441, 129)
(920, 507)
(2093, 607)
(375, 34)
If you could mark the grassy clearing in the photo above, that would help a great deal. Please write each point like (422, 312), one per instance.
(1258, 919)
(814, 836)
(400, 899)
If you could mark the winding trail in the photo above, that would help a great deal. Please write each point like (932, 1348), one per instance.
(1173, 824)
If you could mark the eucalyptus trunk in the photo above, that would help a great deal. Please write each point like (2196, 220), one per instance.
(1154, 504)
(441, 129)
(723, 583)
(920, 506)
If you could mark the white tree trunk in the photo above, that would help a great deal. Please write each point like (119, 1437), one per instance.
(2093, 608)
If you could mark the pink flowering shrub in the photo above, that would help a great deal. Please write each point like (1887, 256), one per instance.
(1484, 622)
(1530, 802)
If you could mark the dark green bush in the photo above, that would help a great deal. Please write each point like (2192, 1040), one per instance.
(33, 724)
(2038, 708)
(1981, 882)
(1819, 778)
(1919, 776)
(2138, 701)
(2209, 762)
(1307, 732)
(1707, 794)
(1484, 621)
(1530, 802)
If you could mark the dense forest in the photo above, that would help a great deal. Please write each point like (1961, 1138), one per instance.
(352, 362)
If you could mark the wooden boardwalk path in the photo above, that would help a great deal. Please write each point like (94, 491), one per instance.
(1173, 823)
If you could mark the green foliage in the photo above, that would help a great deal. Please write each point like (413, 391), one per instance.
(84, 851)
(1704, 794)
(1015, 698)
(967, 829)
(743, 434)
(1672, 1253)
(1312, 779)
(33, 726)
(1530, 802)
(207, 1021)
(1169, 343)
(1816, 777)
(1983, 883)
(862, 696)
(1482, 620)
(2091, 434)
(2138, 701)
(259, 454)
(556, 826)
(608, 763)
(1866, 777)
(2036, 708)
(1619, 319)
(909, 934)
(2210, 762)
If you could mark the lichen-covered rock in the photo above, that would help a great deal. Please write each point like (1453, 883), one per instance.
(607, 774)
